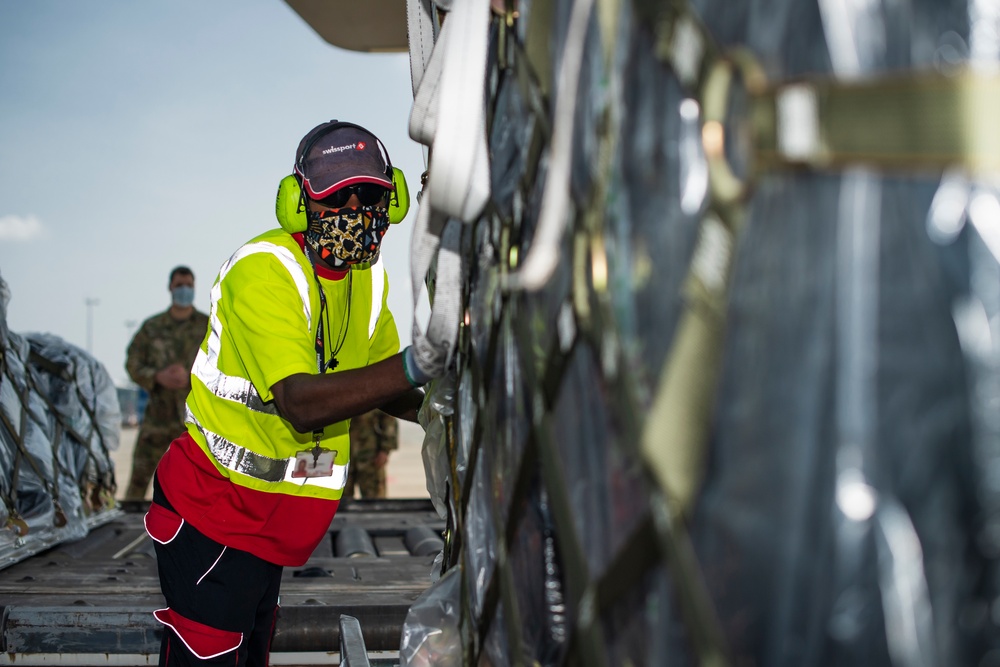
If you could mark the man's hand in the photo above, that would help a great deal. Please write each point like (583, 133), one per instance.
(424, 363)
(381, 458)
(173, 376)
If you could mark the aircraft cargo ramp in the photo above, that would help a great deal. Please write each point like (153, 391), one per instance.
(90, 601)
(78, 579)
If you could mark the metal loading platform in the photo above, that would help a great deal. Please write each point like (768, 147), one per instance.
(90, 601)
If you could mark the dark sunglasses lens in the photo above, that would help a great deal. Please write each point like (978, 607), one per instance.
(338, 199)
(368, 194)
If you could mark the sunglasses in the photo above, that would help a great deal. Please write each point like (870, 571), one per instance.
(368, 194)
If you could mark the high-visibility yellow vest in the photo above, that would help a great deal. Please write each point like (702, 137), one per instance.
(265, 310)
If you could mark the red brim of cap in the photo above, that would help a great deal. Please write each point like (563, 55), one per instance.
(320, 188)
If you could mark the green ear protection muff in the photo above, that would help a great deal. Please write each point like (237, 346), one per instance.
(289, 206)
(399, 199)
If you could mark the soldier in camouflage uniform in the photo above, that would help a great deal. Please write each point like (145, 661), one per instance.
(373, 435)
(159, 360)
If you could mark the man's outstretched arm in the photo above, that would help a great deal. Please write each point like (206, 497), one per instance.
(310, 402)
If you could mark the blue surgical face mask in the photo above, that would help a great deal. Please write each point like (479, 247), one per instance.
(182, 295)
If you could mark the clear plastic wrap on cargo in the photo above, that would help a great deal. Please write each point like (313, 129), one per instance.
(480, 532)
(496, 651)
(431, 634)
(510, 416)
(434, 451)
(536, 567)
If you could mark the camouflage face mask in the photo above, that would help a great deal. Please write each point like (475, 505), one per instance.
(348, 236)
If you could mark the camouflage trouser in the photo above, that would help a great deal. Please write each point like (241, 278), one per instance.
(370, 479)
(149, 447)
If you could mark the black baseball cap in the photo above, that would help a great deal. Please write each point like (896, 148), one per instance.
(340, 154)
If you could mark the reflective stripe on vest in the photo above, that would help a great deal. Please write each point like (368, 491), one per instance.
(248, 462)
(378, 289)
(206, 364)
(241, 390)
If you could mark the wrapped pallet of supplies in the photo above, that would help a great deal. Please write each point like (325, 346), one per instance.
(59, 421)
(727, 335)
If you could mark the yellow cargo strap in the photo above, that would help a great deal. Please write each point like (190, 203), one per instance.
(907, 121)
(677, 427)
(912, 121)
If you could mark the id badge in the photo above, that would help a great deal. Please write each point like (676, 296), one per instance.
(311, 464)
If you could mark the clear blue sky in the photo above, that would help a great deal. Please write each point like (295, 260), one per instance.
(135, 136)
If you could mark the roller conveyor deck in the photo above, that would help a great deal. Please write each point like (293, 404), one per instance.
(93, 597)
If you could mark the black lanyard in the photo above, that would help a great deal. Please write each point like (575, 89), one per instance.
(320, 344)
(324, 315)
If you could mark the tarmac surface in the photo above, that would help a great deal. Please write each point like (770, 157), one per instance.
(405, 473)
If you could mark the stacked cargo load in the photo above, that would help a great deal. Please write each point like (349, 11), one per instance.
(59, 423)
(718, 292)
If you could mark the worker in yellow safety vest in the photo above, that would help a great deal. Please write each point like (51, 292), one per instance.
(300, 340)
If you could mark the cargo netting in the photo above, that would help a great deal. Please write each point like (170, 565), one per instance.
(59, 421)
(750, 413)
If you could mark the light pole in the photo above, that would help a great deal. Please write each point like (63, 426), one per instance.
(90, 322)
